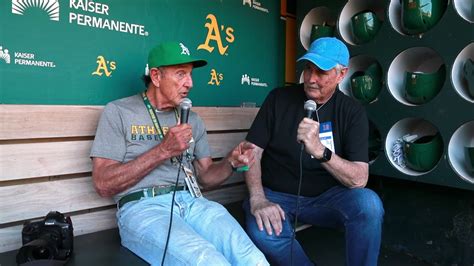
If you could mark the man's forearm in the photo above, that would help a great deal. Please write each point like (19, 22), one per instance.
(350, 174)
(216, 174)
(112, 178)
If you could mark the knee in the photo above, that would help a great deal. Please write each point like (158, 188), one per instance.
(370, 205)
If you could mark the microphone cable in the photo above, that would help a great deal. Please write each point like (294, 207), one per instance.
(185, 106)
(180, 160)
(298, 195)
(297, 205)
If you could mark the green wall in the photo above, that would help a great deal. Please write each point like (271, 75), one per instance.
(70, 53)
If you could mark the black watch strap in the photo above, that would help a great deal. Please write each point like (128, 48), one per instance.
(326, 155)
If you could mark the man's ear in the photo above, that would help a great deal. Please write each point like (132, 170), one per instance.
(155, 75)
(342, 74)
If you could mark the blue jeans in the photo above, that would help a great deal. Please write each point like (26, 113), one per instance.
(203, 232)
(359, 211)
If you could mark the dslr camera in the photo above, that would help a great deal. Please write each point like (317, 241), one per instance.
(49, 239)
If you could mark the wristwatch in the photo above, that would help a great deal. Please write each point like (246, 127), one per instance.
(326, 155)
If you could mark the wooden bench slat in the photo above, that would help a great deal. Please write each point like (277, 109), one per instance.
(59, 121)
(29, 160)
(105, 219)
(37, 199)
(48, 121)
(70, 195)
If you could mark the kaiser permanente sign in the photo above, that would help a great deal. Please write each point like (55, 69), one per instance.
(83, 13)
(98, 22)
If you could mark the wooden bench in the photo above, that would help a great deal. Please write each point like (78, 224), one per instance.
(45, 165)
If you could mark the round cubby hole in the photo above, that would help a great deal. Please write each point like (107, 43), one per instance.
(372, 14)
(462, 73)
(359, 66)
(465, 9)
(415, 17)
(404, 156)
(461, 152)
(318, 16)
(418, 62)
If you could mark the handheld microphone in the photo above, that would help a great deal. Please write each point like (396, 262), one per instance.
(185, 106)
(309, 108)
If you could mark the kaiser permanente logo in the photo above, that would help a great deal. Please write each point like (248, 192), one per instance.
(51, 7)
(255, 5)
(83, 13)
(252, 81)
(24, 58)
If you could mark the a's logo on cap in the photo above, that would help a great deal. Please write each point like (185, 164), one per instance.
(4, 55)
(184, 50)
(51, 7)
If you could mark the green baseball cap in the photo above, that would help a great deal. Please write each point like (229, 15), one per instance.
(172, 53)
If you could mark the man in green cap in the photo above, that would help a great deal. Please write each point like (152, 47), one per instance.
(149, 162)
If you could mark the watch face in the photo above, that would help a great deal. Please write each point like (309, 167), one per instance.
(326, 155)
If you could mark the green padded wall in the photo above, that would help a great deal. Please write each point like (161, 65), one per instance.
(79, 52)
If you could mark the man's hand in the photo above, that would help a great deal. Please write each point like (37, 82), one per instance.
(242, 155)
(308, 133)
(267, 214)
(176, 141)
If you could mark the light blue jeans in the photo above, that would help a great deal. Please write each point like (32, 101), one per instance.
(202, 233)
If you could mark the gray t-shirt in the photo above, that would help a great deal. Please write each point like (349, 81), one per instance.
(126, 131)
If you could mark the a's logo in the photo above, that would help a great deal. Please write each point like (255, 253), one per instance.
(216, 78)
(245, 79)
(104, 67)
(51, 7)
(4, 55)
(249, 2)
(184, 49)
(214, 34)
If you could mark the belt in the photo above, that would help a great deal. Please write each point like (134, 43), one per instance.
(148, 193)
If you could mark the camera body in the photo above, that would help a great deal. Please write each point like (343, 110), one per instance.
(49, 239)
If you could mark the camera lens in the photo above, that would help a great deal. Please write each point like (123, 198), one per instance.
(38, 249)
(41, 253)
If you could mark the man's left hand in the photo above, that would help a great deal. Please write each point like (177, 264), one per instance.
(242, 155)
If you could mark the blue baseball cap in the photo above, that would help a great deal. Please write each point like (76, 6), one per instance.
(326, 53)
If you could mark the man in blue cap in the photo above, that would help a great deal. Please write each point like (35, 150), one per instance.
(135, 159)
(334, 166)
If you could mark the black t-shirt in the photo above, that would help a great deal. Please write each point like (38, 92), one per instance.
(274, 130)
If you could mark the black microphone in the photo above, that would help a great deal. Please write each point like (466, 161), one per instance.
(185, 106)
(309, 108)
